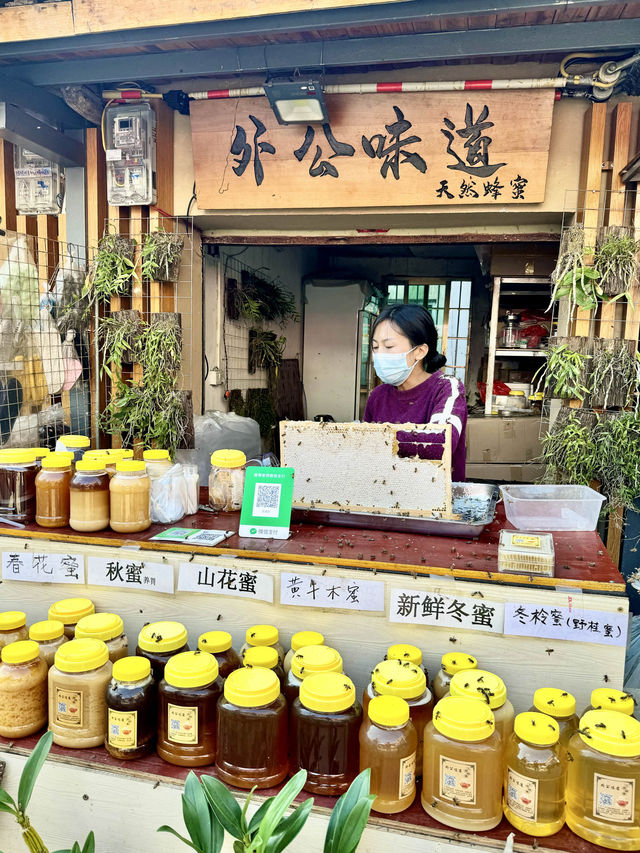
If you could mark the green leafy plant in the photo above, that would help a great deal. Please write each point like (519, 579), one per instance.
(615, 375)
(161, 349)
(161, 255)
(206, 834)
(27, 782)
(266, 350)
(112, 269)
(119, 337)
(262, 300)
(616, 260)
(580, 286)
(569, 451)
(349, 816)
(564, 373)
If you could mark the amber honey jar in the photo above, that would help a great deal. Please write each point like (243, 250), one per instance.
(603, 780)
(535, 775)
(408, 681)
(13, 627)
(187, 709)
(324, 729)
(562, 707)
(49, 635)
(263, 635)
(23, 689)
(266, 657)
(52, 491)
(18, 485)
(159, 642)
(480, 684)
(406, 652)
(252, 730)
(131, 709)
(89, 496)
(219, 644)
(130, 491)
(309, 660)
(451, 663)
(107, 627)
(388, 744)
(462, 769)
(298, 641)
(70, 611)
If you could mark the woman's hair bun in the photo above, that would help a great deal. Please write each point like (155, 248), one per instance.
(435, 361)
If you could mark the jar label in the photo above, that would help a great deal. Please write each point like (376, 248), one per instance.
(407, 775)
(182, 724)
(522, 795)
(613, 799)
(123, 729)
(458, 780)
(69, 708)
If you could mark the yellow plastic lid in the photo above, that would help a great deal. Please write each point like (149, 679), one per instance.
(10, 620)
(71, 610)
(41, 452)
(126, 454)
(311, 660)
(537, 396)
(265, 656)
(516, 393)
(536, 729)
(306, 638)
(480, 684)
(162, 637)
(129, 465)
(100, 453)
(328, 692)
(22, 651)
(56, 460)
(404, 651)
(388, 711)
(603, 699)
(100, 626)
(18, 457)
(262, 635)
(454, 662)
(214, 641)
(228, 459)
(81, 655)
(131, 669)
(75, 441)
(611, 732)
(399, 678)
(48, 629)
(69, 454)
(94, 465)
(555, 702)
(155, 455)
(468, 720)
(191, 669)
(252, 687)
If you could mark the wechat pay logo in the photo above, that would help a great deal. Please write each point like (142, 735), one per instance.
(253, 530)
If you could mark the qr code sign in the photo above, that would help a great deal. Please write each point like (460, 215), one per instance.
(266, 500)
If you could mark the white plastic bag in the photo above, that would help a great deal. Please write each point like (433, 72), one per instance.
(224, 431)
(168, 496)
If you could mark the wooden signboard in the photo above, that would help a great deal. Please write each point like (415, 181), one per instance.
(379, 150)
(395, 469)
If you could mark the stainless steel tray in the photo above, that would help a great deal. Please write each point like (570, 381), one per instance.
(475, 501)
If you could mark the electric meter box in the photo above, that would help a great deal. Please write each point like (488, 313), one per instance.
(130, 145)
(38, 183)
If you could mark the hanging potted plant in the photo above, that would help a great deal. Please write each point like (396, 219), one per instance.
(112, 268)
(616, 260)
(161, 256)
(615, 373)
(266, 350)
(565, 375)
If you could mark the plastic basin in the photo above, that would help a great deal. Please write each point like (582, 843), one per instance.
(550, 508)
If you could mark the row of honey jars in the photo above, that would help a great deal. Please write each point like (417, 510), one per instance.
(97, 501)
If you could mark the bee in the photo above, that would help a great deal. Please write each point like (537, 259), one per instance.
(456, 802)
(434, 804)
(624, 737)
(191, 558)
(453, 639)
(600, 726)
(606, 679)
(549, 651)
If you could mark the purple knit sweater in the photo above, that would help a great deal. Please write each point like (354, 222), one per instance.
(439, 399)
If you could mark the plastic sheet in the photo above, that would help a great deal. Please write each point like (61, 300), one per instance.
(223, 431)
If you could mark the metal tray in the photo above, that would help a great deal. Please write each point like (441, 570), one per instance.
(480, 500)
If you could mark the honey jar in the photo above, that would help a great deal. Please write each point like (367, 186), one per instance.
(405, 651)
(219, 644)
(462, 770)
(18, 485)
(252, 730)
(263, 635)
(130, 491)
(89, 496)
(23, 689)
(480, 684)
(76, 444)
(561, 706)
(49, 635)
(266, 657)
(309, 660)
(298, 641)
(451, 663)
(69, 611)
(52, 491)
(604, 699)
(159, 642)
(226, 480)
(388, 744)
(603, 780)
(132, 709)
(107, 627)
(535, 775)
(13, 627)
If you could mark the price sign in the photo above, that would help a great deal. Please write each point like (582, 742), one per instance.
(566, 623)
(336, 593)
(445, 611)
(42, 568)
(222, 580)
(266, 503)
(130, 574)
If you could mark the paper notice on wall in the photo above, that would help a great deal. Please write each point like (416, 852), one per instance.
(222, 580)
(446, 611)
(42, 568)
(564, 623)
(130, 574)
(336, 593)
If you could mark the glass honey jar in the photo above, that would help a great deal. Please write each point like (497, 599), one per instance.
(187, 709)
(451, 663)
(388, 744)
(603, 780)
(408, 681)
(130, 492)
(562, 707)
(266, 657)
(89, 505)
(480, 684)
(309, 660)
(405, 651)
(263, 635)
(299, 640)
(18, 472)
(159, 642)
(49, 635)
(535, 775)
(70, 611)
(219, 644)
(462, 770)
(52, 491)
(107, 627)
(604, 699)
(13, 627)
(23, 689)
(252, 730)
(132, 709)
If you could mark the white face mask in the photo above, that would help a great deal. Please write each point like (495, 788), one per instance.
(392, 367)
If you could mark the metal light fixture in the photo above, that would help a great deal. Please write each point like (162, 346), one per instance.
(297, 101)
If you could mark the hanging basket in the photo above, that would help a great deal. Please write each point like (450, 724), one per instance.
(162, 256)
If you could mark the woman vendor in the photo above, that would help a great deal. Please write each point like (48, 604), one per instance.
(415, 389)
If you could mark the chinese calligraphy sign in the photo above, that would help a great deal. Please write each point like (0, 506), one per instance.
(337, 593)
(222, 579)
(42, 568)
(387, 150)
(565, 623)
(130, 574)
(446, 611)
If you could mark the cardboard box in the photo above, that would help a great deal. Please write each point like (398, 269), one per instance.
(525, 473)
(503, 440)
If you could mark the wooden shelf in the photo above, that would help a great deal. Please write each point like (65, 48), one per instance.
(515, 352)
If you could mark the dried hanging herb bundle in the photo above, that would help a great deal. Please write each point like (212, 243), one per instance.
(616, 260)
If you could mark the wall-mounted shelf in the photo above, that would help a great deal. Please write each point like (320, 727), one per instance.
(515, 352)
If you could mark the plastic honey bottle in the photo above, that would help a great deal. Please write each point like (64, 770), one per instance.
(604, 699)
(480, 684)
(535, 775)
(562, 707)
(451, 663)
